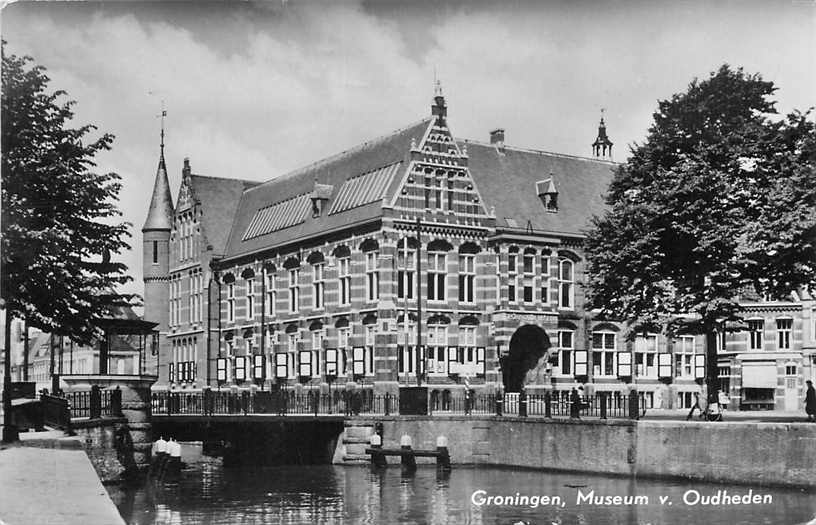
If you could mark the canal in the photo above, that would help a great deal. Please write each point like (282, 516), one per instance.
(207, 493)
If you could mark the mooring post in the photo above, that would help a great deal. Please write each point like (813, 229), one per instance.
(443, 459)
(408, 458)
(377, 458)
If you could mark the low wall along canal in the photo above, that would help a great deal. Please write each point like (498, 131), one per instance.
(734, 452)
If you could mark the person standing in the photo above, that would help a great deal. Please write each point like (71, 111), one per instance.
(810, 401)
(695, 406)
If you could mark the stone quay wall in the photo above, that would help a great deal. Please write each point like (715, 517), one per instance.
(733, 452)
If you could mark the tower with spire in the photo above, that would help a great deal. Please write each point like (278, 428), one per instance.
(156, 248)
(602, 147)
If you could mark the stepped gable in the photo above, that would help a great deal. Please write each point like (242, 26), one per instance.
(351, 186)
(507, 179)
(219, 197)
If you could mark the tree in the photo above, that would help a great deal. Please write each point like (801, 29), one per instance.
(718, 200)
(60, 222)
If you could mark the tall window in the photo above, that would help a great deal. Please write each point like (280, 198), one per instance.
(438, 193)
(370, 333)
(646, 355)
(406, 358)
(318, 286)
(437, 344)
(294, 289)
(155, 252)
(467, 350)
(372, 276)
(566, 290)
(756, 328)
(436, 276)
(528, 268)
(291, 353)
(250, 299)
(512, 274)
(271, 295)
(545, 278)
(684, 357)
(344, 278)
(428, 182)
(467, 276)
(783, 333)
(231, 302)
(603, 353)
(566, 346)
(343, 349)
(406, 265)
(317, 346)
(450, 194)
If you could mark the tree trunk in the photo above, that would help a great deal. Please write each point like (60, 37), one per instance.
(711, 380)
(25, 350)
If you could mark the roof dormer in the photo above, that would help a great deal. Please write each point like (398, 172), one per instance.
(547, 192)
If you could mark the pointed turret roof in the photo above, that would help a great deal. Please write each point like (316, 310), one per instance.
(160, 214)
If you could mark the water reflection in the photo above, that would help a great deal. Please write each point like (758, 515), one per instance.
(207, 493)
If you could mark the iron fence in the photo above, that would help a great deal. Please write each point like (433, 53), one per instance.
(94, 403)
(602, 405)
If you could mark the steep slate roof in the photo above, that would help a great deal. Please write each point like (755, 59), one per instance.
(507, 181)
(219, 197)
(369, 157)
(160, 214)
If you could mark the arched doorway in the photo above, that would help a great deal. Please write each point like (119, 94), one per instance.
(527, 346)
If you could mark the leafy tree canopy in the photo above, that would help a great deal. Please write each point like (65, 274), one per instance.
(60, 222)
(720, 199)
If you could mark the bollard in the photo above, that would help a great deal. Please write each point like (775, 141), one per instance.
(443, 459)
(522, 404)
(547, 404)
(174, 460)
(633, 405)
(602, 396)
(408, 460)
(159, 454)
(377, 459)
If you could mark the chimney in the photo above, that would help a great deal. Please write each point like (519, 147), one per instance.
(186, 170)
(497, 139)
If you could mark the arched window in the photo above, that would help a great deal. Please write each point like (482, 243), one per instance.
(343, 257)
(566, 289)
(406, 267)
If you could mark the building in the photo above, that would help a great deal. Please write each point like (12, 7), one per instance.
(319, 276)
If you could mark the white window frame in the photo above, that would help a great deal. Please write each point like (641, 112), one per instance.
(292, 352)
(318, 285)
(513, 256)
(318, 336)
(294, 290)
(467, 278)
(756, 334)
(437, 344)
(344, 280)
(437, 272)
(784, 333)
(565, 352)
(646, 350)
(271, 295)
(406, 266)
(250, 298)
(608, 354)
(343, 349)
(370, 344)
(544, 288)
(231, 302)
(566, 284)
(684, 350)
(372, 279)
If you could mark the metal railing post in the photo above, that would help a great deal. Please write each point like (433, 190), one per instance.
(96, 402)
(522, 404)
(547, 404)
(603, 396)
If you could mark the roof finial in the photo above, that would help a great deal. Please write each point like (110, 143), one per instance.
(602, 115)
(163, 114)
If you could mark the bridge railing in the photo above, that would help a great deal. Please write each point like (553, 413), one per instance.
(94, 403)
(282, 402)
(602, 405)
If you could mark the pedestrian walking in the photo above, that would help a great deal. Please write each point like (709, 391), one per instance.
(695, 406)
(810, 401)
(575, 404)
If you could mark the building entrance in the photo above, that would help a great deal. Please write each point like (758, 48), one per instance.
(527, 346)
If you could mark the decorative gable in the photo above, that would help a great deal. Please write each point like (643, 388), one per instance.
(438, 182)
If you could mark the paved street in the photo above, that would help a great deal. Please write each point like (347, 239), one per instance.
(52, 486)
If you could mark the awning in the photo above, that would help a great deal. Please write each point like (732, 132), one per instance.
(758, 376)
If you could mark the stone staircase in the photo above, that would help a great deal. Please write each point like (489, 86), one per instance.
(353, 442)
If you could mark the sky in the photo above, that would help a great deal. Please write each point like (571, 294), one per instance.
(254, 90)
